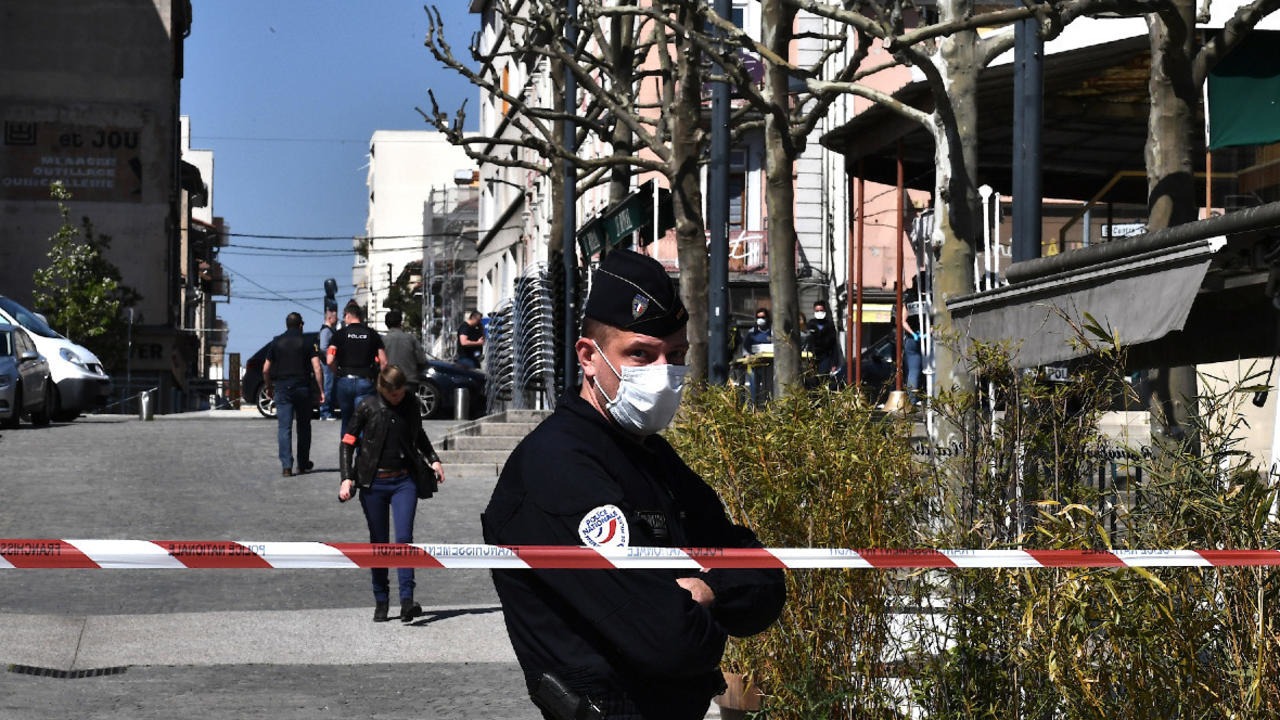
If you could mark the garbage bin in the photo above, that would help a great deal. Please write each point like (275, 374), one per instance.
(461, 404)
(146, 406)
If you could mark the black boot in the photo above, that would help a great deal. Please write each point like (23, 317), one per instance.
(380, 611)
(409, 610)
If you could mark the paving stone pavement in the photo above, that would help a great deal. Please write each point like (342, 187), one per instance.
(216, 644)
(205, 644)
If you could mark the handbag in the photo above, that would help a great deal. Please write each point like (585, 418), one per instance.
(424, 476)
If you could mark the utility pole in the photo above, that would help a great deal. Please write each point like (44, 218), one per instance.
(570, 209)
(718, 221)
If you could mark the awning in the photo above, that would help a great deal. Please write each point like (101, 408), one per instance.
(1139, 299)
(1141, 289)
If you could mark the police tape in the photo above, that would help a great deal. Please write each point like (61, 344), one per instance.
(187, 554)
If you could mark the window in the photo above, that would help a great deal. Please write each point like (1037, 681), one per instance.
(506, 88)
(738, 190)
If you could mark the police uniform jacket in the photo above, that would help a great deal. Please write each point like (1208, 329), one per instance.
(371, 425)
(290, 354)
(578, 480)
(355, 348)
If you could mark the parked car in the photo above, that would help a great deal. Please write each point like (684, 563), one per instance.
(25, 383)
(80, 383)
(437, 386)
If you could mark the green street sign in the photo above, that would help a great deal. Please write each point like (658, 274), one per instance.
(616, 226)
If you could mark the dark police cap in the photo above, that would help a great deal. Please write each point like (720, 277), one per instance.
(632, 292)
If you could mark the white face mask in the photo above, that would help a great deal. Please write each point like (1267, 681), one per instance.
(819, 315)
(648, 395)
(761, 322)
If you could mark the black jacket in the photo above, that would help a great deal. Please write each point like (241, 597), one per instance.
(632, 637)
(369, 425)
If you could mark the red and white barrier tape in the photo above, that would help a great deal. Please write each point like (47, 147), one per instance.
(183, 554)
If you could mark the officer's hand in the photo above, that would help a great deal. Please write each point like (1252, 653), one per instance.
(701, 592)
(346, 489)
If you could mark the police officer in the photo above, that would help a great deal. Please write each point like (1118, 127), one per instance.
(635, 643)
(291, 363)
(356, 355)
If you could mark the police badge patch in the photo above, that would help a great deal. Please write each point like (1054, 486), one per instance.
(604, 526)
(639, 304)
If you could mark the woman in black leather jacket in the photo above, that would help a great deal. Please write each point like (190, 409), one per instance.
(387, 427)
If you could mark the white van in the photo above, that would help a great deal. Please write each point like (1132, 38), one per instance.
(77, 373)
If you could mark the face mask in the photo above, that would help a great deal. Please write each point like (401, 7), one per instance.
(819, 315)
(648, 395)
(761, 322)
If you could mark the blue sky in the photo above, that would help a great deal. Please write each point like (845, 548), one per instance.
(287, 93)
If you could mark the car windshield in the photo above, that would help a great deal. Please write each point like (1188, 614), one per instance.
(27, 319)
(6, 343)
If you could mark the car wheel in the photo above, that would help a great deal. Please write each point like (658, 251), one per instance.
(429, 398)
(44, 413)
(61, 414)
(266, 403)
(16, 418)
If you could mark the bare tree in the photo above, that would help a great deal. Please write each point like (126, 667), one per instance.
(613, 65)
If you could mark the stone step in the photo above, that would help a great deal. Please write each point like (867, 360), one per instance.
(502, 429)
(523, 416)
(469, 457)
(472, 471)
(483, 442)
(480, 449)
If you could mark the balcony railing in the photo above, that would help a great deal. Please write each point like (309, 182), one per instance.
(748, 251)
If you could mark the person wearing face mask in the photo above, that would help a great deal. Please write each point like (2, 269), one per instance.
(760, 333)
(631, 643)
(821, 340)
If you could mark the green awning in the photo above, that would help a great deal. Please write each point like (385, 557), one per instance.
(1244, 94)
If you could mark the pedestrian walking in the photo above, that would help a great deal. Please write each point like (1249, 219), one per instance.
(292, 363)
(633, 643)
(404, 350)
(326, 337)
(471, 341)
(385, 448)
(355, 354)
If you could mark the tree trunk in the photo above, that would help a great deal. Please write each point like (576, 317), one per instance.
(955, 198)
(1171, 194)
(776, 26)
(686, 196)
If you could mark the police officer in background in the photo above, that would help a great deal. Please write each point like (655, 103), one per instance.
(291, 363)
(356, 355)
(633, 643)
(327, 330)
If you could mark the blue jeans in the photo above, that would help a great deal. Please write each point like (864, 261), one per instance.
(350, 391)
(389, 499)
(914, 362)
(326, 407)
(293, 404)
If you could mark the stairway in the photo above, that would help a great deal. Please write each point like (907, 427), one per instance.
(478, 450)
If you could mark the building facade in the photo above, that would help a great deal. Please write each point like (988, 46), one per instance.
(89, 95)
(405, 167)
